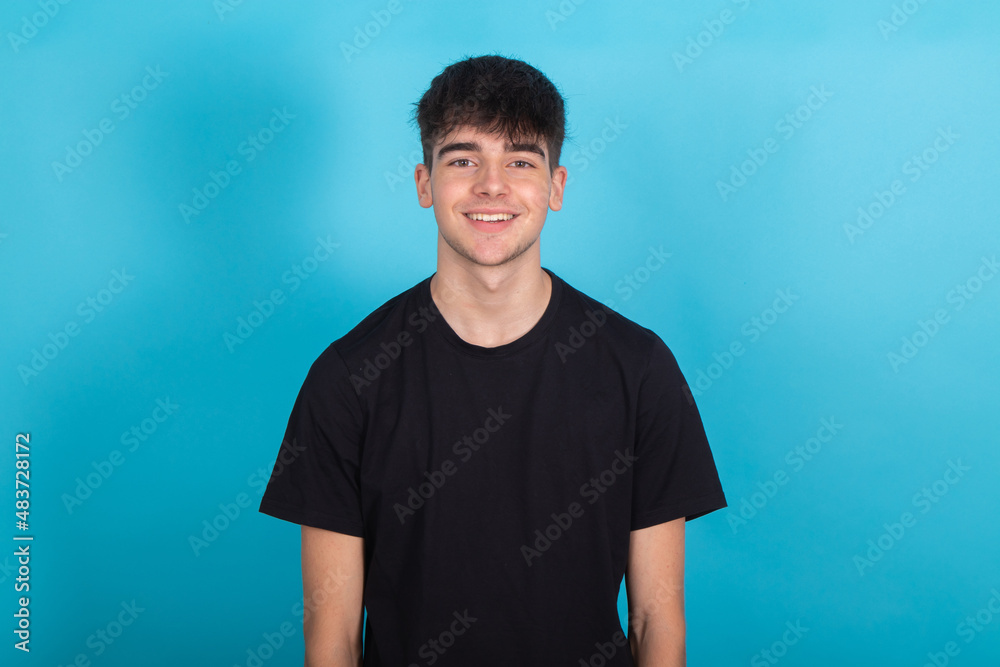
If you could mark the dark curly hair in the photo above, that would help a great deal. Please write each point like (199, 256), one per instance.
(496, 95)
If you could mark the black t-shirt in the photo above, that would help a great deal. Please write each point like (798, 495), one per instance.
(495, 487)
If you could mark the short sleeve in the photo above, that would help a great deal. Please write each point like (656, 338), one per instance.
(674, 474)
(315, 480)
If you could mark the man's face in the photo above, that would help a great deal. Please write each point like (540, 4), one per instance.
(477, 175)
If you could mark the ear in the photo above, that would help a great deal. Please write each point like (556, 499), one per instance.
(557, 188)
(422, 177)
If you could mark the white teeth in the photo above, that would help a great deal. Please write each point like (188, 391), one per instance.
(497, 217)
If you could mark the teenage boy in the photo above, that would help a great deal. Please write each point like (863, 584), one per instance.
(481, 460)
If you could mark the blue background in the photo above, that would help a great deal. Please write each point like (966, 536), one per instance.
(682, 127)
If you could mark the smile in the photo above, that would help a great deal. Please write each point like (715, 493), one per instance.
(491, 217)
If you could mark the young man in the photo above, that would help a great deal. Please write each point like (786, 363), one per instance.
(481, 460)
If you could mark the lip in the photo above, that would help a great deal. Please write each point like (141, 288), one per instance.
(490, 211)
(490, 227)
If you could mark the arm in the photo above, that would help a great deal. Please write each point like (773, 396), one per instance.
(654, 582)
(332, 587)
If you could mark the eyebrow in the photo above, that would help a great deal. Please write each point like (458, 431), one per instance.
(476, 147)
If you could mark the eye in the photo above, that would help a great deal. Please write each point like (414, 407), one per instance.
(522, 163)
(461, 160)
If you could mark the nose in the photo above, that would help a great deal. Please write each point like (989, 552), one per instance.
(491, 180)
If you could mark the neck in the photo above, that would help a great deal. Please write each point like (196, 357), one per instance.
(491, 306)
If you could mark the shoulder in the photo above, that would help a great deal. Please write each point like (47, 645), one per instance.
(615, 329)
(380, 327)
